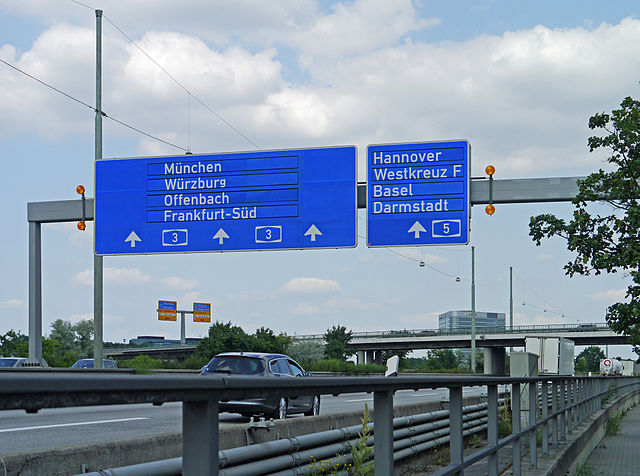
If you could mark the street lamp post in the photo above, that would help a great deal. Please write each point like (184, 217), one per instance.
(473, 309)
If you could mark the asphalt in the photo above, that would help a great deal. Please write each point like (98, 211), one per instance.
(618, 455)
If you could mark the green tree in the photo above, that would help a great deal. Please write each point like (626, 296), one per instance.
(581, 365)
(84, 331)
(443, 359)
(264, 340)
(12, 344)
(62, 332)
(336, 340)
(592, 356)
(607, 243)
(223, 338)
(306, 350)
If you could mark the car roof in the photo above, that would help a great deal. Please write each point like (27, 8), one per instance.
(255, 355)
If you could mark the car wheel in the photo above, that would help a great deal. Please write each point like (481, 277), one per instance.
(281, 410)
(315, 407)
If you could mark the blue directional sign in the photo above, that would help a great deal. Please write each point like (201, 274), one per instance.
(418, 194)
(267, 200)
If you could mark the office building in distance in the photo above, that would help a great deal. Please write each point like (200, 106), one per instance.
(456, 321)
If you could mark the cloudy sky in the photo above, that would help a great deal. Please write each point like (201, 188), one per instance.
(519, 80)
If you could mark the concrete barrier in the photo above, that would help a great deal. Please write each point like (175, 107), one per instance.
(113, 454)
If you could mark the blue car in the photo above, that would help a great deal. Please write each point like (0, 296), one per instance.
(260, 364)
(88, 364)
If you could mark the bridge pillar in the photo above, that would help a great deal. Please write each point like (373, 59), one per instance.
(368, 357)
(360, 357)
(494, 361)
(377, 357)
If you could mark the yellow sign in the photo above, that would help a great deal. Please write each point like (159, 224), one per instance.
(201, 312)
(167, 310)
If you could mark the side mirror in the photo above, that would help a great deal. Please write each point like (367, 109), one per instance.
(307, 373)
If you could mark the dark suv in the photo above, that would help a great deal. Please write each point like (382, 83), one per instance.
(259, 364)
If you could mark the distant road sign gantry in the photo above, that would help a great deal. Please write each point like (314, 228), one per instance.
(281, 199)
(167, 310)
(418, 194)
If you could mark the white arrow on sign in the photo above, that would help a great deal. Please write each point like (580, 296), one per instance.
(220, 236)
(133, 238)
(313, 231)
(416, 229)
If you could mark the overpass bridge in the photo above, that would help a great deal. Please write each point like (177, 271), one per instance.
(369, 345)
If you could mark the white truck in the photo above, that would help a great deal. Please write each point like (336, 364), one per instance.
(610, 367)
(555, 354)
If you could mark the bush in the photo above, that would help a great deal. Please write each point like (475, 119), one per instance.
(614, 424)
(339, 366)
(141, 362)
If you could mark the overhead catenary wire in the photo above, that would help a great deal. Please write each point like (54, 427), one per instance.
(93, 108)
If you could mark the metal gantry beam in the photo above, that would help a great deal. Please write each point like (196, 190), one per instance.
(557, 189)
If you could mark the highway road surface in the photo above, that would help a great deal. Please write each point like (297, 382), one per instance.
(62, 427)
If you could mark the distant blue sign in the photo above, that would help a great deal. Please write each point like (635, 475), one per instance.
(418, 194)
(282, 199)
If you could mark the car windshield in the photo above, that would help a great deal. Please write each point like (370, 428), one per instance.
(8, 362)
(236, 365)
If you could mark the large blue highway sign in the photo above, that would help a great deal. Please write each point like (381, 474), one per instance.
(418, 194)
(267, 200)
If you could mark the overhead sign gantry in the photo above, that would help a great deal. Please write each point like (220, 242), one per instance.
(278, 199)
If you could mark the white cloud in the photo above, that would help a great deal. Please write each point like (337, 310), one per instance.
(189, 298)
(545, 257)
(305, 309)
(13, 304)
(360, 27)
(522, 98)
(114, 276)
(311, 286)
(176, 282)
(612, 295)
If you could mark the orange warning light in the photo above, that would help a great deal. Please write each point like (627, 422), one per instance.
(490, 209)
(82, 225)
(80, 189)
(490, 170)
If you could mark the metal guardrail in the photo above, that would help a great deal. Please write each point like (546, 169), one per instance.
(467, 331)
(572, 400)
(304, 455)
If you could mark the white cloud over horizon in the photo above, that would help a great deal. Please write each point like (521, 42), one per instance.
(114, 276)
(304, 285)
(503, 85)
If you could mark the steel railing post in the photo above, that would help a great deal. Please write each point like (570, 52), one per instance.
(554, 411)
(533, 411)
(456, 443)
(200, 437)
(515, 425)
(563, 409)
(383, 432)
(492, 427)
(545, 415)
(570, 411)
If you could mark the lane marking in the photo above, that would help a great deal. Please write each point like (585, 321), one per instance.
(8, 430)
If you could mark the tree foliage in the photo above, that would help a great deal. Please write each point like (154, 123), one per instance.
(336, 340)
(13, 344)
(591, 356)
(306, 350)
(226, 337)
(607, 243)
